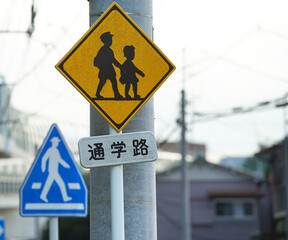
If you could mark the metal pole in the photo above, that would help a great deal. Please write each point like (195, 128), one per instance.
(139, 179)
(186, 231)
(117, 199)
(37, 229)
(53, 229)
(117, 203)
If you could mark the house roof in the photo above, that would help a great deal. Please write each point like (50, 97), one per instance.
(233, 193)
(174, 147)
(269, 149)
(213, 171)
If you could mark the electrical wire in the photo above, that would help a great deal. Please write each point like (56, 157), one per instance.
(251, 69)
(264, 105)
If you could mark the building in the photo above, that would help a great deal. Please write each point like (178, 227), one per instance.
(12, 174)
(196, 150)
(273, 157)
(169, 155)
(225, 203)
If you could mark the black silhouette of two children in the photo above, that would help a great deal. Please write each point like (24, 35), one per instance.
(105, 60)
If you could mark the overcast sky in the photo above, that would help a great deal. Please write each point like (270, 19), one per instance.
(229, 54)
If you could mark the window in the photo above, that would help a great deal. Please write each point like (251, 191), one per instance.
(231, 208)
(224, 209)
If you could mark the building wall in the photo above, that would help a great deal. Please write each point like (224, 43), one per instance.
(19, 228)
(12, 173)
(205, 224)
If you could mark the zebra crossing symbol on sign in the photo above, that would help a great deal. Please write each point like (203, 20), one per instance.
(54, 185)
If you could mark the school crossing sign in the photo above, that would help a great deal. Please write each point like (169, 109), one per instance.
(116, 66)
(54, 185)
(111, 150)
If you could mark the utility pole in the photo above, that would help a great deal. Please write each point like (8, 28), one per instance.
(186, 220)
(139, 179)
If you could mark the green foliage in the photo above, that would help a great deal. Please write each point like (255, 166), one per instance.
(71, 229)
(74, 228)
(255, 165)
(251, 164)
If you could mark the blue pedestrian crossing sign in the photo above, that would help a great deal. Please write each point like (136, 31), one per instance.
(2, 229)
(54, 185)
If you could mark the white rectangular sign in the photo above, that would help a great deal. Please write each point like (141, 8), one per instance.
(117, 149)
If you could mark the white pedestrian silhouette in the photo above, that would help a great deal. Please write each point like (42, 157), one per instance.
(55, 159)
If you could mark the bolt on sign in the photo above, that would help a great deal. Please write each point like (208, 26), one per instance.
(116, 66)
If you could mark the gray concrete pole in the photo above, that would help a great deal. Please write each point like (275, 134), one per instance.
(186, 209)
(139, 179)
(186, 221)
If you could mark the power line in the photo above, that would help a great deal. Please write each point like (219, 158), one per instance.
(251, 69)
(31, 27)
(199, 117)
(265, 105)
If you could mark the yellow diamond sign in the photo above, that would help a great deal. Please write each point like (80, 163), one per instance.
(116, 66)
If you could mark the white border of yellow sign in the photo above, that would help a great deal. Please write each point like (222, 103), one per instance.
(77, 67)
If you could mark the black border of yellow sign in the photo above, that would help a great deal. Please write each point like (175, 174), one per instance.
(60, 67)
